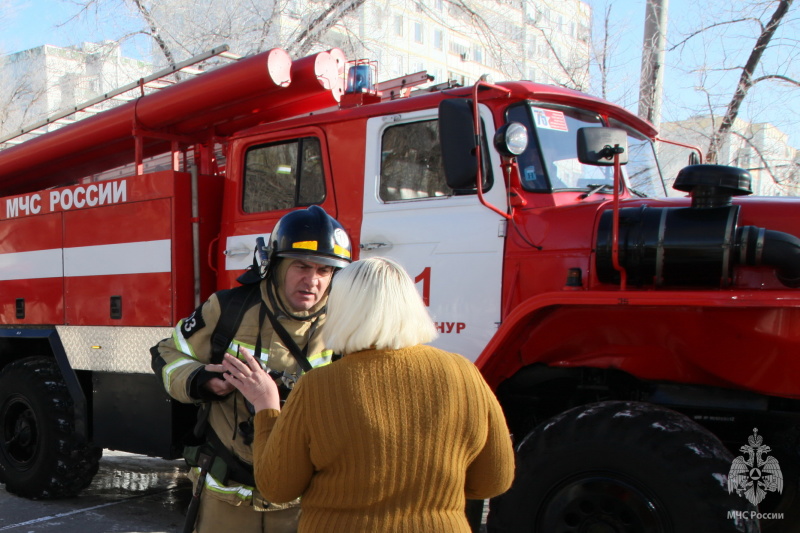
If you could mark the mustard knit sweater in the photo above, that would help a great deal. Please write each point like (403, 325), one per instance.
(385, 441)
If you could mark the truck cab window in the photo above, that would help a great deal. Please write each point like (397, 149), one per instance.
(283, 175)
(411, 162)
(530, 161)
(642, 171)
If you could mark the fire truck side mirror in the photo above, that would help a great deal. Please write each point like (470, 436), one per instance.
(598, 146)
(457, 141)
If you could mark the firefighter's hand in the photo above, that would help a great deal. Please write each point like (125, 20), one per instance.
(220, 387)
(251, 380)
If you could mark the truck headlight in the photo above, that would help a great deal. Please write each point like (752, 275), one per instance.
(511, 139)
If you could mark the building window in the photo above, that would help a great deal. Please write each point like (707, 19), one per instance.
(583, 33)
(458, 78)
(398, 25)
(743, 159)
(438, 39)
(419, 32)
(477, 54)
(458, 49)
(542, 15)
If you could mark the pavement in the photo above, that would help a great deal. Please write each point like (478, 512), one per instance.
(130, 493)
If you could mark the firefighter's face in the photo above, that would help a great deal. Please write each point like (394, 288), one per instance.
(306, 283)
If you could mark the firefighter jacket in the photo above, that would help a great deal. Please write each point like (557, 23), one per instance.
(179, 361)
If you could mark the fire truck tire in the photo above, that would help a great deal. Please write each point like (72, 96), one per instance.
(621, 467)
(39, 457)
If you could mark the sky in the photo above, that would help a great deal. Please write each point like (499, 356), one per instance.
(682, 96)
(29, 23)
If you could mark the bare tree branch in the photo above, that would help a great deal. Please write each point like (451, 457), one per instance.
(603, 60)
(788, 182)
(266, 25)
(495, 42)
(761, 157)
(746, 79)
(155, 32)
(712, 26)
(20, 96)
(482, 25)
(777, 77)
(322, 23)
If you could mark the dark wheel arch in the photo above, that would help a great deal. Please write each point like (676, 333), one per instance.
(620, 467)
(40, 454)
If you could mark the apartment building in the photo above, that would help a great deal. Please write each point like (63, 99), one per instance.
(543, 41)
(42, 81)
(761, 148)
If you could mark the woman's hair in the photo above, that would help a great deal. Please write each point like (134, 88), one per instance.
(374, 304)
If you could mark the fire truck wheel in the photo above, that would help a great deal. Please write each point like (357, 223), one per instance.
(617, 467)
(38, 455)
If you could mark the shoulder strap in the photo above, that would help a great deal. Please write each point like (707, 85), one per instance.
(288, 341)
(233, 304)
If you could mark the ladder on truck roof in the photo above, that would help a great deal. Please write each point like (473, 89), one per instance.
(153, 82)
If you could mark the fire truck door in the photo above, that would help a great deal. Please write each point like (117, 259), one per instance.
(451, 245)
(282, 172)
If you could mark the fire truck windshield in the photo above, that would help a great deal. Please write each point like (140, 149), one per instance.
(550, 162)
(642, 173)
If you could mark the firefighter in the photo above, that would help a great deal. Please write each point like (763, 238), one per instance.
(279, 317)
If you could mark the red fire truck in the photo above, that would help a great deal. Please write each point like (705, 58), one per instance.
(644, 347)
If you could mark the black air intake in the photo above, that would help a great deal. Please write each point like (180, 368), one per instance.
(713, 185)
(696, 246)
(759, 246)
(669, 246)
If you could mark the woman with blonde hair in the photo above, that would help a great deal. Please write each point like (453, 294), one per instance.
(393, 437)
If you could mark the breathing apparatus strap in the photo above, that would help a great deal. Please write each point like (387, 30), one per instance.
(299, 354)
(234, 303)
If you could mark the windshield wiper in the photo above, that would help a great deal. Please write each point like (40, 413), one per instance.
(595, 189)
